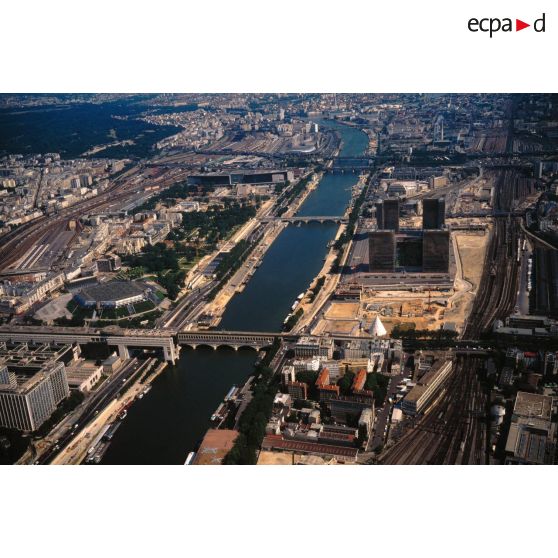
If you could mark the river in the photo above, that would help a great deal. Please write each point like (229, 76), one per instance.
(164, 426)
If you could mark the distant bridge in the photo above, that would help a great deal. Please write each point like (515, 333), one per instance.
(487, 213)
(308, 219)
(353, 161)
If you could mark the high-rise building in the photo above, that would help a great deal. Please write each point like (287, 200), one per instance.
(29, 396)
(381, 251)
(433, 213)
(380, 216)
(390, 213)
(435, 251)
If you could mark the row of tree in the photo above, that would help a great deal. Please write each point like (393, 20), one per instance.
(255, 417)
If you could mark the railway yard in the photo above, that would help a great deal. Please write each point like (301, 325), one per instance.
(454, 428)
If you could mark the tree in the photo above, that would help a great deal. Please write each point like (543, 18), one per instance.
(345, 382)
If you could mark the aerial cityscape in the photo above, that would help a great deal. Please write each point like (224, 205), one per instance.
(278, 279)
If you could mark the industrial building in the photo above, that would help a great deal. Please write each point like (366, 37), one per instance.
(230, 179)
(29, 395)
(532, 435)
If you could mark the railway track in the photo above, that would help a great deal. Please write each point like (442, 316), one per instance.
(454, 429)
(16, 243)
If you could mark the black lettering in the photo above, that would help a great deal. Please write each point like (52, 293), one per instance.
(480, 25)
(473, 21)
(493, 27)
(542, 23)
(506, 24)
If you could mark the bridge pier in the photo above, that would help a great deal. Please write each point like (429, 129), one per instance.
(123, 352)
(170, 353)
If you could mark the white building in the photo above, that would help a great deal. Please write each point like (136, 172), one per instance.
(422, 393)
(28, 399)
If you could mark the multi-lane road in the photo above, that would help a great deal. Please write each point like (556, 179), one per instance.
(93, 406)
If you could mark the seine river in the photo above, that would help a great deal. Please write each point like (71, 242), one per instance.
(164, 426)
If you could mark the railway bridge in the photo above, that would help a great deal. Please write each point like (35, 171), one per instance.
(308, 219)
(233, 339)
(255, 340)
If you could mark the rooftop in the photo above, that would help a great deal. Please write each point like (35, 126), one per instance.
(418, 390)
(115, 290)
(81, 370)
(359, 380)
(24, 380)
(277, 442)
(532, 405)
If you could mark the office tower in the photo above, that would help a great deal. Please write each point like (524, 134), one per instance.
(381, 246)
(390, 215)
(435, 251)
(29, 395)
(379, 216)
(433, 213)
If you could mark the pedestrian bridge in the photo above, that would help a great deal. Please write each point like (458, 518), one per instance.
(233, 339)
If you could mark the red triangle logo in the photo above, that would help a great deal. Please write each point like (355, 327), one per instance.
(519, 25)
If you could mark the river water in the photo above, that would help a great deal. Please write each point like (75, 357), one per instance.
(164, 426)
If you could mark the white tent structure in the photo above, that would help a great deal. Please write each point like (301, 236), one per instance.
(377, 328)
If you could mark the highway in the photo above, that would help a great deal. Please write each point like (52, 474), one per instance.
(92, 406)
(192, 305)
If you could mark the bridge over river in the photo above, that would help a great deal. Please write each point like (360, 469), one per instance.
(308, 219)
